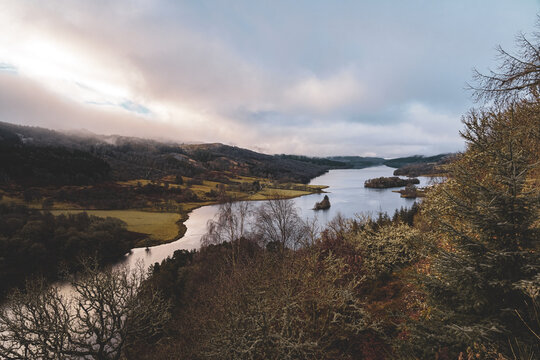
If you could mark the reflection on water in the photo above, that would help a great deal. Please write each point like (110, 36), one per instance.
(345, 190)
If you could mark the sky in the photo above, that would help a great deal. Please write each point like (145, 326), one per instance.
(320, 78)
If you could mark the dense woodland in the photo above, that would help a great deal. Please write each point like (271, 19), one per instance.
(430, 166)
(47, 165)
(33, 243)
(456, 277)
(400, 162)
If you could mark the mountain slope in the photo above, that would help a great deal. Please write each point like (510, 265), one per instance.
(134, 158)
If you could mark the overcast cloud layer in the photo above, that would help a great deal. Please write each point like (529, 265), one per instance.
(381, 78)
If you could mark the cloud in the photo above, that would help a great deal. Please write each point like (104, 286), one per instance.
(48, 110)
(5, 67)
(304, 77)
(137, 108)
(325, 94)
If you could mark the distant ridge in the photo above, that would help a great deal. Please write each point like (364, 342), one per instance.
(415, 159)
(360, 162)
(132, 157)
(136, 158)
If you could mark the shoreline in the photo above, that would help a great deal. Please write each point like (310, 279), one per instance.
(185, 216)
(148, 241)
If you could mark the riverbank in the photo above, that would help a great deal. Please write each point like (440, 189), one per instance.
(163, 218)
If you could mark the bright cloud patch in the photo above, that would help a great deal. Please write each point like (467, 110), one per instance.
(325, 94)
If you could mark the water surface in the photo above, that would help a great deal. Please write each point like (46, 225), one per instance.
(346, 191)
(349, 197)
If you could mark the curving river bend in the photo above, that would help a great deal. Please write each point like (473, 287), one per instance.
(345, 190)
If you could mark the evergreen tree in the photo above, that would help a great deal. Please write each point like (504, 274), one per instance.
(486, 227)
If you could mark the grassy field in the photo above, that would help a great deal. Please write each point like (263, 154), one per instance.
(164, 226)
(160, 226)
(266, 194)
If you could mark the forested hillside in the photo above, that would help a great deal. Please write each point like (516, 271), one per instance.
(30, 151)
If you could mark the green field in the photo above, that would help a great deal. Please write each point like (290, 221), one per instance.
(160, 226)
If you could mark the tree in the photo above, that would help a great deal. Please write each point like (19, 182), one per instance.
(179, 180)
(31, 194)
(304, 307)
(486, 224)
(278, 224)
(229, 225)
(518, 75)
(99, 317)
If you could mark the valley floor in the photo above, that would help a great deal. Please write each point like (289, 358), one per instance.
(160, 217)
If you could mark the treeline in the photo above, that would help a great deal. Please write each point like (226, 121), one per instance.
(113, 196)
(416, 165)
(416, 159)
(33, 243)
(426, 168)
(42, 165)
(358, 162)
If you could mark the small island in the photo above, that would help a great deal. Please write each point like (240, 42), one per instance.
(389, 182)
(411, 192)
(323, 205)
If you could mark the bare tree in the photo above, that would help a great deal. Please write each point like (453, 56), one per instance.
(312, 232)
(97, 319)
(517, 76)
(277, 222)
(230, 224)
(305, 308)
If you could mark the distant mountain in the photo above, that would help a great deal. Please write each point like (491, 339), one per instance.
(28, 153)
(37, 155)
(432, 165)
(415, 159)
(336, 164)
(415, 165)
(357, 162)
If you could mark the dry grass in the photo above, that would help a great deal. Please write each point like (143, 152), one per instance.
(267, 193)
(160, 226)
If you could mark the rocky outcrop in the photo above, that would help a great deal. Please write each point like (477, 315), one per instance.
(323, 205)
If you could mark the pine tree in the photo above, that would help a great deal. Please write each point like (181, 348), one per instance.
(486, 220)
(486, 225)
